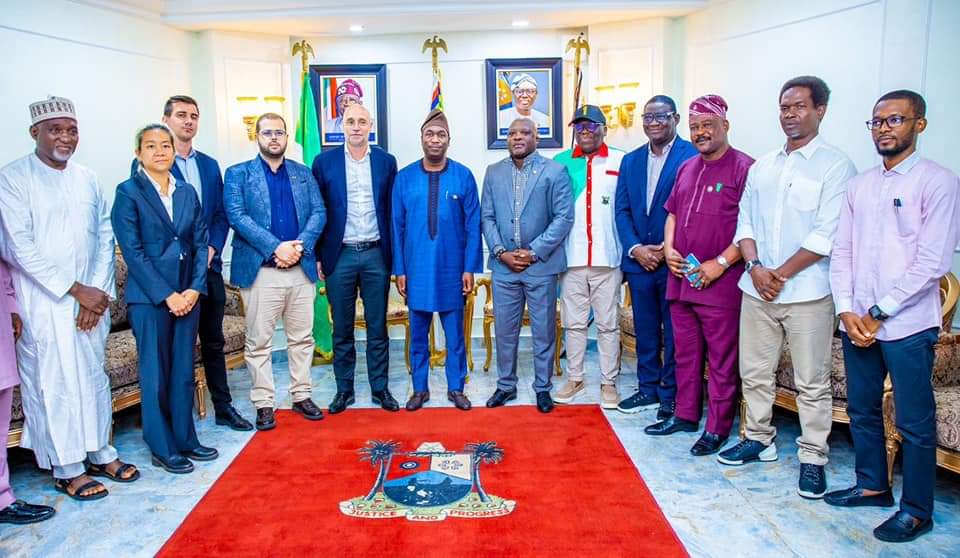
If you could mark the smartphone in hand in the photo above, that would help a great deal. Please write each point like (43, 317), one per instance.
(692, 262)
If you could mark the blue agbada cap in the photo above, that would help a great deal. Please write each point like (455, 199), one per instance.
(591, 113)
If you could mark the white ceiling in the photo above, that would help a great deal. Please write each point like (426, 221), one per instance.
(334, 17)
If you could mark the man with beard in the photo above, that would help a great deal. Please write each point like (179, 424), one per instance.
(899, 225)
(704, 299)
(182, 115)
(59, 244)
(526, 213)
(645, 182)
(788, 217)
(436, 251)
(276, 212)
(593, 278)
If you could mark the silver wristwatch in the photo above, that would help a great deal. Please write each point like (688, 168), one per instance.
(723, 261)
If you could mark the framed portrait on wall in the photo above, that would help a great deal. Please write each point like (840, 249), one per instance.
(524, 87)
(337, 86)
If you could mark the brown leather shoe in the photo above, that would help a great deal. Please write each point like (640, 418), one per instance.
(417, 400)
(459, 400)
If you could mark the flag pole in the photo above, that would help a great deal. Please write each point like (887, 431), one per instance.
(578, 46)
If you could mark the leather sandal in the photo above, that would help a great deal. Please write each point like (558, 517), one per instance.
(63, 485)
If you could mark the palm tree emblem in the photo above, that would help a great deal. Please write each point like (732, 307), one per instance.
(483, 452)
(378, 453)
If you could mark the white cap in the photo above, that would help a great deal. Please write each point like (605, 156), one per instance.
(52, 107)
(519, 79)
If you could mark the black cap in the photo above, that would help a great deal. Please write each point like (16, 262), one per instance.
(591, 113)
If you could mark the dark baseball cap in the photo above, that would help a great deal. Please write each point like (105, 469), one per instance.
(591, 113)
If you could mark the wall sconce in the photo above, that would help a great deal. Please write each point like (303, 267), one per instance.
(248, 108)
(605, 102)
(628, 106)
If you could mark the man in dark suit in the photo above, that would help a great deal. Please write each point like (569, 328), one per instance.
(646, 179)
(356, 182)
(182, 116)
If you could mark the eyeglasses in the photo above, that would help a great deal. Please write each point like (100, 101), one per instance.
(658, 117)
(527, 92)
(588, 126)
(894, 121)
(274, 134)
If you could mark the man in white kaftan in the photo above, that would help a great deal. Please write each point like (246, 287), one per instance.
(59, 243)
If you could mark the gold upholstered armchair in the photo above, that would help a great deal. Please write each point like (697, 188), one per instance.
(488, 318)
(397, 315)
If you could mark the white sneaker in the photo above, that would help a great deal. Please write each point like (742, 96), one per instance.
(609, 396)
(569, 392)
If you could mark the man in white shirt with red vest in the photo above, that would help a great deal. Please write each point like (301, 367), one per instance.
(593, 276)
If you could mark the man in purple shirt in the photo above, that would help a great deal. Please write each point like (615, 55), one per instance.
(704, 299)
(897, 233)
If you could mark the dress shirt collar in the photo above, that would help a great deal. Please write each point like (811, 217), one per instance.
(268, 168)
(807, 150)
(191, 155)
(363, 159)
(170, 190)
(666, 148)
(903, 167)
(604, 151)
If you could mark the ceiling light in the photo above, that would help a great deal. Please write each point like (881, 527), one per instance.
(356, 28)
(521, 23)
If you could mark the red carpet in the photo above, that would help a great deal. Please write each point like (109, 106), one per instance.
(576, 493)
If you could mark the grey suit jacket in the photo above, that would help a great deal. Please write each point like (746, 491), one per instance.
(546, 214)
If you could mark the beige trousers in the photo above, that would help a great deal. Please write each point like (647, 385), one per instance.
(808, 330)
(279, 294)
(583, 288)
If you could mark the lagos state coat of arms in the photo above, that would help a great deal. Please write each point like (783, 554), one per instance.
(430, 483)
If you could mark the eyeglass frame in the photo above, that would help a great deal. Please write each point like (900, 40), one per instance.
(582, 125)
(659, 117)
(877, 123)
(272, 134)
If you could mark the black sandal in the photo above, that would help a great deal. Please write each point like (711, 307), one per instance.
(95, 470)
(63, 485)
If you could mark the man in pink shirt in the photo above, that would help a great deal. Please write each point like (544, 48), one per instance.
(897, 233)
(11, 510)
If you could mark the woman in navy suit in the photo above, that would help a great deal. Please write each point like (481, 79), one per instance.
(160, 227)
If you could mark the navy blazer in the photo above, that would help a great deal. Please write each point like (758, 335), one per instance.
(330, 170)
(246, 198)
(211, 186)
(162, 256)
(634, 225)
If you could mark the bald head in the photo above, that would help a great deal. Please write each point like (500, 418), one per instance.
(357, 124)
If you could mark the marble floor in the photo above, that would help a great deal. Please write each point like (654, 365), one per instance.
(717, 511)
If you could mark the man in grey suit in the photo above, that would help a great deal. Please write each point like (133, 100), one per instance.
(526, 211)
(275, 209)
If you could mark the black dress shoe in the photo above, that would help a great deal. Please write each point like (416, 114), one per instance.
(308, 409)
(22, 513)
(902, 527)
(500, 398)
(177, 464)
(459, 400)
(385, 400)
(671, 426)
(666, 410)
(265, 419)
(853, 498)
(708, 443)
(417, 400)
(228, 416)
(341, 401)
(201, 453)
(544, 402)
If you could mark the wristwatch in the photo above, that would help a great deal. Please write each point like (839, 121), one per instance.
(877, 314)
(533, 256)
(752, 264)
(499, 252)
(723, 261)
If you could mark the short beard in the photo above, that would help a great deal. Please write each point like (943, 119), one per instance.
(896, 149)
(56, 156)
(265, 151)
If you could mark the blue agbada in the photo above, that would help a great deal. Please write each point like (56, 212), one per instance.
(436, 234)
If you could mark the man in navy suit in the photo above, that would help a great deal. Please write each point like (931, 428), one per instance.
(182, 116)
(646, 179)
(276, 212)
(356, 182)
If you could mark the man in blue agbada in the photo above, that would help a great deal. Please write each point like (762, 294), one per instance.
(436, 251)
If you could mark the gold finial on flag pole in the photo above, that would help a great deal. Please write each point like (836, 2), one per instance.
(305, 51)
(434, 44)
